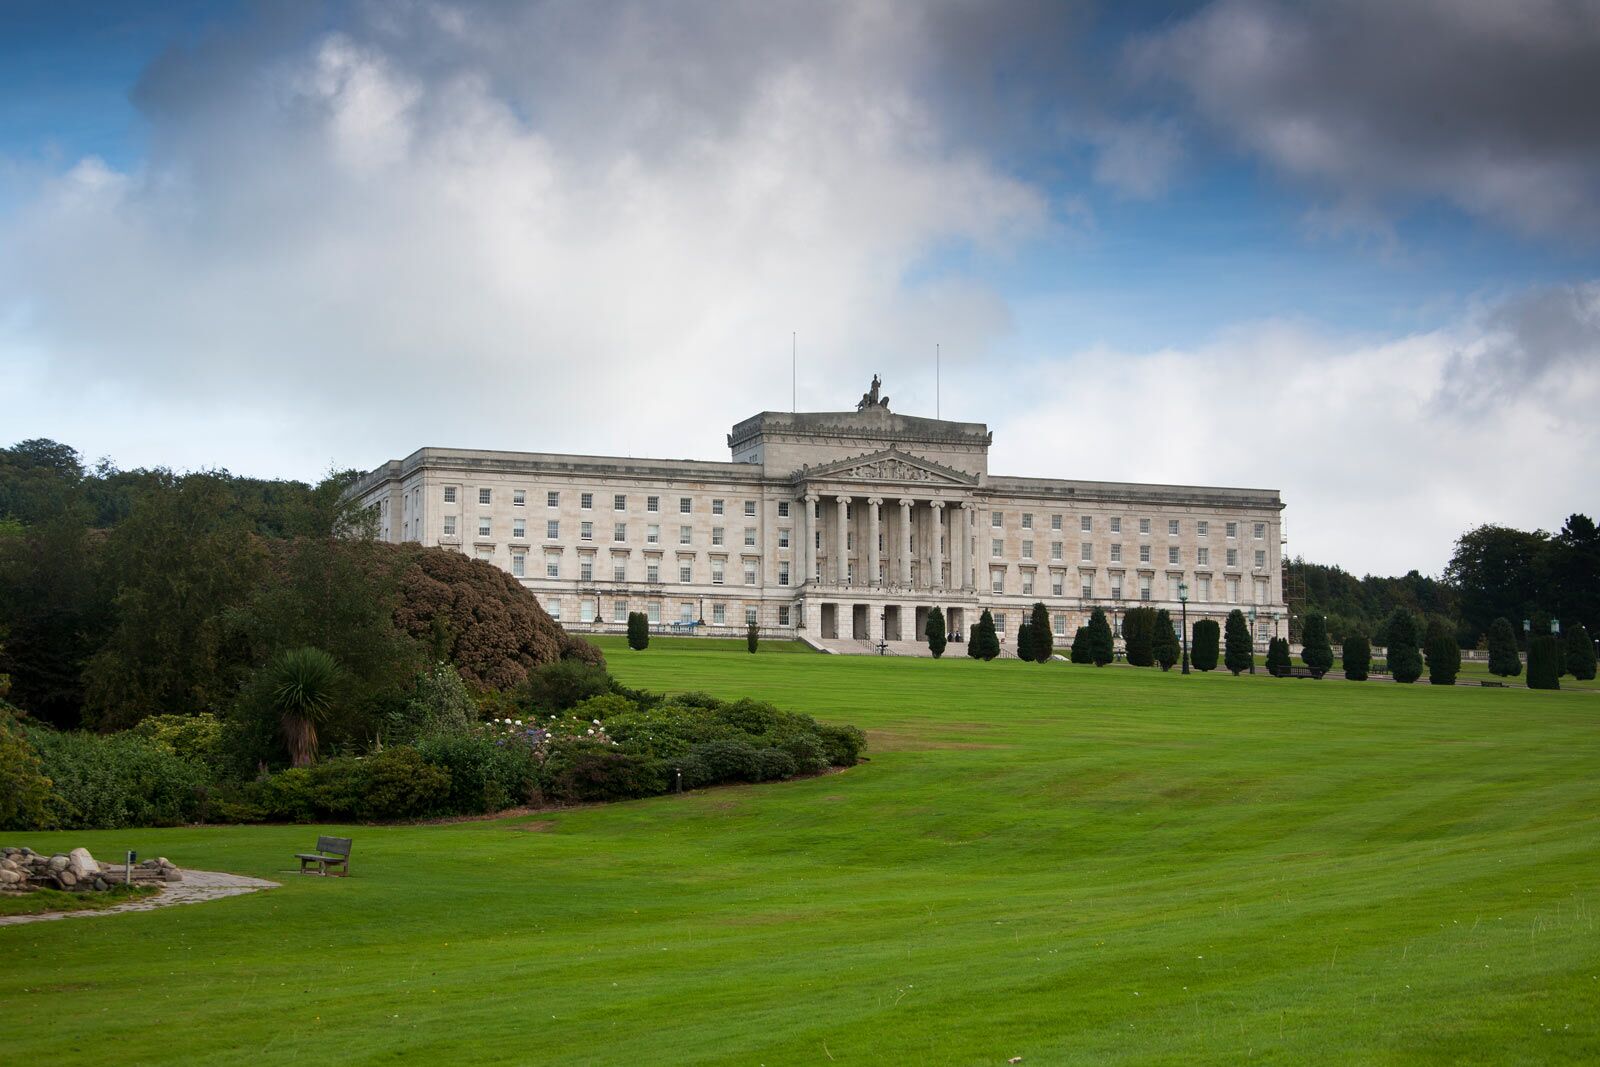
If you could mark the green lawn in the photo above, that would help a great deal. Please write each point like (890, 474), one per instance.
(1061, 863)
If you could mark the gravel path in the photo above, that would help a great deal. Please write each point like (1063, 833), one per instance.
(196, 887)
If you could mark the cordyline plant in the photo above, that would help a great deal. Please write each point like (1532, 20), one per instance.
(303, 683)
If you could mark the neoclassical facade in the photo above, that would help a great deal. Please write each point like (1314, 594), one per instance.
(843, 528)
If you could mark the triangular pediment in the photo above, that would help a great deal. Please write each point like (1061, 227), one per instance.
(890, 466)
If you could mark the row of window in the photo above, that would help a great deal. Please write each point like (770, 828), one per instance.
(1202, 527)
(688, 610)
(619, 502)
(1174, 554)
(619, 532)
(718, 570)
(1201, 590)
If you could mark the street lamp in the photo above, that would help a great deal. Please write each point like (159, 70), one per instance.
(1183, 602)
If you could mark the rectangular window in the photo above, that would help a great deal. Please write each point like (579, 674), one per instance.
(1058, 585)
(749, 572)
(1086, 523)
(519, 527)
(619, 572)
(716, 507)
(1172, 587)
(586, 501)
(552, 529)
(686, 535)
(553, 606)
(1027, 520)
(1233, 557)
(1204, 591)
(997, 519)
(1116, 525)
(1261, 558)
(619, 531)
(519, 498)
(685, 505)
(783, 537)
(997, 547)
(997, 581)
(783, 509)
(1144, 553)
(619, 502)
(586, 611)
(1055, 523)
(1116, 552)
(1202, 528)
(652, 573)
(1086, 590)
(1172, 527)
(519, 564)
(483, 496)
(1144, 527)
(653, 613)
(717, 536)
(552, 566)
(552, 499)
(1000, 623)
(750, 616)
(1260, 530)
(449, 494)
(652, 503)
(586, 569)
(449, 525)
(483, 526)
(783, 574)
(1086, 551)
(1027, 583)
(1116, 587)
(1173, 554)
(686, 611)
(717, 566)
(652, 534)
(619, 611)
(1027, 550)
(1261, 592)
(1056, 549)
(685, 572)
(586, 531)
(750, 536)
(1233, 529)
(783, 615)
(1233, 590)
(1144, 587)
(749, 509)
(1203, 556)
(719, 614)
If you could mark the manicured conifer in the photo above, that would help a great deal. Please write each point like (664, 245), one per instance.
(1278, 662)
(1580, 654)
(1315, 650)
(1138, 636)
(1544, 658)
(1504, 659)
(1102, 649)
(985, 638)
(752, 637)
(1025, 639)
(973, 649)
(1238, 653)
(1444, 656)
(1203, 649)
(1405, 661)
(1357, 656)
(1080, 646)
(1044, 643)
(638, 631)
(936, 638)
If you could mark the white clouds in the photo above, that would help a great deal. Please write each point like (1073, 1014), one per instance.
(1386, 449)
(1139, 159)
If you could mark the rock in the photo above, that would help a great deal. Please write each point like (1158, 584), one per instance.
(164, 863)
(66, 878)
(10, 877)
(172, 874)
(58, 862)
(9, 864)
(80, 863)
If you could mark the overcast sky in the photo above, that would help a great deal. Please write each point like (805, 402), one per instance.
(1346, 250)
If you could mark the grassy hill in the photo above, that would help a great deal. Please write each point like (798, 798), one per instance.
(1061, 863)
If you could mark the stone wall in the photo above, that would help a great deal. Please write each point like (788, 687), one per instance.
(23, 869)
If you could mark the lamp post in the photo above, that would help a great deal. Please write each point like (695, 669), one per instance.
(1183, 603)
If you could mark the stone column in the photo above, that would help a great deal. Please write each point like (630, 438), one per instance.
(905, 543)
(809, 532)
(958, 547)
(970, 555)
(936, 579)
(873, 558)
(841, 569)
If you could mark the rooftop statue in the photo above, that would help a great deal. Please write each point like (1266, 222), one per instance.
(870, 398)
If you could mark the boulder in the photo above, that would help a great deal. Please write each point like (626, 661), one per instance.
(80, 863)
(101, 885)
(58, 862)
(11, 877)
(66, 879)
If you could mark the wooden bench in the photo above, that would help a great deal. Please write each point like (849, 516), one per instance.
(1493, 685)
(331, 852)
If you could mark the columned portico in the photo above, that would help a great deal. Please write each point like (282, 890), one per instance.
(841, 567)
(809, 524)
(874, 563)
(936, 579)
(905, 543)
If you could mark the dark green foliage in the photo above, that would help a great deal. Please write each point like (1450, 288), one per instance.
(1102, 649)
(1504, 659)
(1405, 661)
(638, 631)
(1357, 657)
(752, 637)
(398, 783)
(484, 776)
(973, 649)
(1316, 650)
(1043, 645)
(1080, 646)
(1203, 652)
(1138, 636)
(985, 641)
(1238, 653)
(1164, 642)
(1544, 663)
(1279, 663)
(1352, 604)
(55, 606)
(25, 796)
(1444, 655)
(1024, 639)
(841, 745)
(557, 686)
(586, 771)
(114, 781)
(936, 634)
(1580, 657)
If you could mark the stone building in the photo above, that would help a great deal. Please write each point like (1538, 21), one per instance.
(841, 527)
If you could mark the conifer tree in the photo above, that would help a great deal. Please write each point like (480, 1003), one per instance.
(1080, 646)
(752, 637)
(1357, 655)
(1164, 642)
(638, 631)
(1544, 657)
(1580, 654)
(1405, 662)
(1315, 650)
(1504, 659)
(936, 638)
(1203, 649)
(1444, 655)
(985, 638)
(1025, 639)
(1278, 662)
(1102, 647)
(973, 649)
(1044, 642)
(1237, 653)
(1138, 636)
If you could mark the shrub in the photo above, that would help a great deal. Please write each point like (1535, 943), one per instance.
(1544, 663)
(398, 783)
(1203, 653)
(1044, 642)
(842, 744)
(1164, 641)
(638, 631)
(195, 739)
(725, 761)
(589, 771)
(604, 707)
(1080, 646)
(974, 651)
(1405, 662)
(485, 775)
(936, 635)
(1278, 662)
(1138, 636)
(1102, 647)
(561, 685)
(26, 802)
(752, 638)
(1580, 657)
(985, 641)
(1357, 657)
(1504, 660)
(1238, 653)
(1316, 652)
(440, 703)
(1025, 639)
(115, 781)
(774, 765)
(1444, 657)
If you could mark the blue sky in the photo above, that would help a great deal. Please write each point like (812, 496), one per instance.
(1319, 248)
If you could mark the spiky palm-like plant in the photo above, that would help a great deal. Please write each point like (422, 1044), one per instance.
(302, 683)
